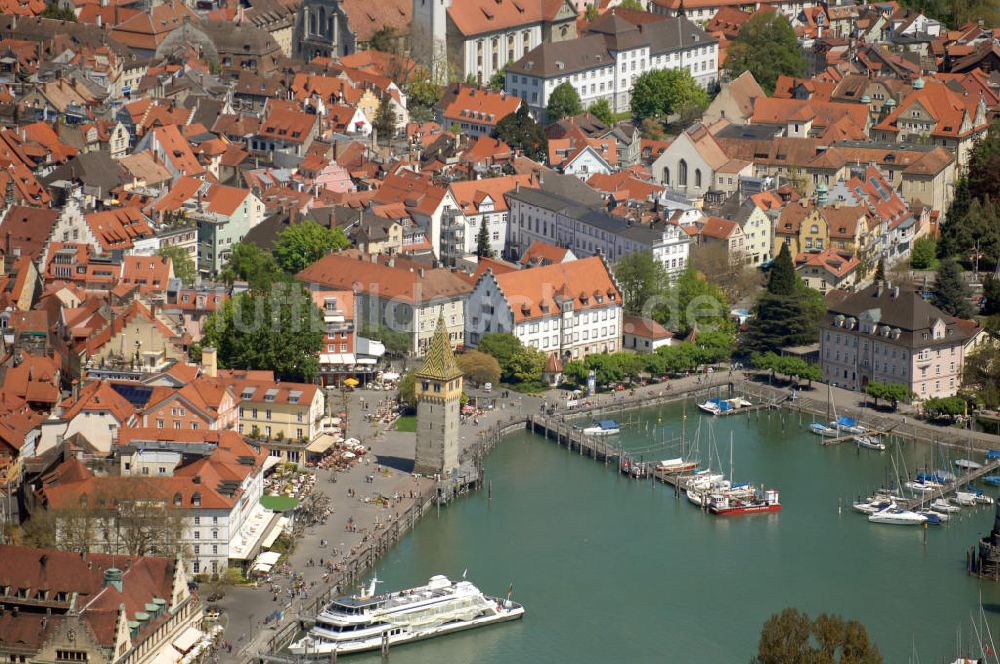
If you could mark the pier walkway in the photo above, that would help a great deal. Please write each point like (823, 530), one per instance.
(930, 496)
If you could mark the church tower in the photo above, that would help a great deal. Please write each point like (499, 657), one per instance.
(439, 390)
(428, 36)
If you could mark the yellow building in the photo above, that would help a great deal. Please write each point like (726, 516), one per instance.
(807, 228)
(278, 410)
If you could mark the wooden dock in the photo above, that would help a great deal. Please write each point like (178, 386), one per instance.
(598, 448)
(930, 496)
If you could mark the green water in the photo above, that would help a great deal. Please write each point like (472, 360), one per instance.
(616, 570)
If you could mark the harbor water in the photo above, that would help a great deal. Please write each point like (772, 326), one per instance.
(618, 570)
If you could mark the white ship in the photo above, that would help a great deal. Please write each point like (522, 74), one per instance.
(362, 622)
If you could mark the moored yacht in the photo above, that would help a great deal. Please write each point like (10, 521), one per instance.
(898, 517)
(364, 621)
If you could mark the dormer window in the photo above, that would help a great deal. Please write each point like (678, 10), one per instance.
(196, 499)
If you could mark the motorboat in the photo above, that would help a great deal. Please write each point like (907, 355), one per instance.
(943, 506)
(965, 498)
(602, 428)
(870, 507)
(897, 517)
(367, 621)
(933, 518)
(870, 443)
(704, 479)
(967, 464)
(992, 480)
(725, 504)
(675, 466)
(821, 429)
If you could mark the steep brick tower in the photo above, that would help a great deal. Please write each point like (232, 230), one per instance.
(439, 390)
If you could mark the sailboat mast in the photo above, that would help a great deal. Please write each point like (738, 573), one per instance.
(732, 475)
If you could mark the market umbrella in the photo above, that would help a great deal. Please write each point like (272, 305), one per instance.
(352, 382)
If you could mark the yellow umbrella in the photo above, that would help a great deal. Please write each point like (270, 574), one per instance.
(351, 382)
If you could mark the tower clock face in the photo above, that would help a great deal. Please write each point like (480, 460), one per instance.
(71, 635)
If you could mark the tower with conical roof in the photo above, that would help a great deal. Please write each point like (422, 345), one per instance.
(439, 391)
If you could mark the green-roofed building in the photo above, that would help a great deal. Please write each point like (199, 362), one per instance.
(439, 393)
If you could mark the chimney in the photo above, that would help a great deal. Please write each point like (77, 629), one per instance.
(210, 361)
(113, 577)
(76, 390)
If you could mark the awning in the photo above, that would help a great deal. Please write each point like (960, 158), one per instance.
(268, 558)
(167, 655)
(321, 444)
(270, 462)
(336, 358)
(188, 639)
(263, 568)
(276, 529)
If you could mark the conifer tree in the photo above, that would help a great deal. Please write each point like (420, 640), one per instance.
(950, 293)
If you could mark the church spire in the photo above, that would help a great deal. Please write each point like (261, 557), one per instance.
(440, 362)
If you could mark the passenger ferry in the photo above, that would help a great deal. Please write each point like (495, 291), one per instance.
(364, 621)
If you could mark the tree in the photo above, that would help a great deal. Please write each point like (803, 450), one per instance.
(661, 92)
(520, 131)
(601, 109)
(563, 102)
(642, 280)
(499, 79)
(300, 245)
(981, 373)
(971, 226)
(767, 47)
(695, 303)
(526, 365)
(591, 13)
(281, 331)
(479, 367)
(635, 5)
(483, 247)
(790, 637)
(714, 347)
(383, 39)
(59, 13)
(880, 270)
(505, 347)
(406, 391)
(180, 258)
(922, 256)
(787, 313)
(991, 295)
(250, 263)
(944, 407)
(734, 277)
(385, 120)
(891, 392)
(575, 372)
(421, 95)
(397, 343)
(950, 293)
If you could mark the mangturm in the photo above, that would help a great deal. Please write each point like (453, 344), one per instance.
(439, 392)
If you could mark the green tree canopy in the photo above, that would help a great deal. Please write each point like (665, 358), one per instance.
(397, 343)
(694, 302)
(991, 293)
(923, 255)
(300, 245)
(601, 109)
(483, 247)
(981, 373)
(250, 263)
(526, 365)
(643, 281)
(787, 313)
(499, 79)
(950, 293)
(892, 392)
(790, 637)
(972, 225)
(180, 258)
(59, 13)
(281, 331)
(479, 367)
(406, 390)
(520, 131)
(575, 372)
(944, 407)
(766, 47)
(563, 102)
(383, 39)
(385, 121)
(421, 95)
(661, 92)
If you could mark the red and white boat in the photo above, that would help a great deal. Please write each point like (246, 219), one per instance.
(725, 504)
